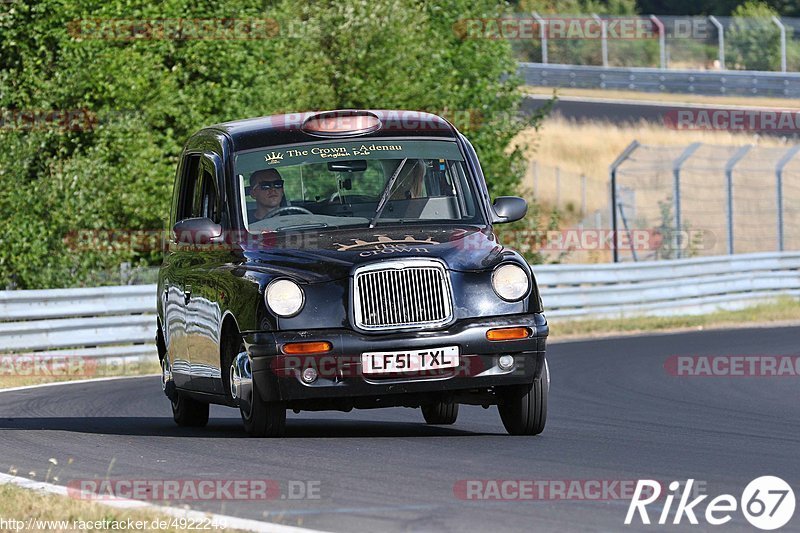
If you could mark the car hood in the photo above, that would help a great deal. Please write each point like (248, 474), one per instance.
(322, 256)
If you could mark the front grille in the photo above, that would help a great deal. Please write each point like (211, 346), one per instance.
(402, 294)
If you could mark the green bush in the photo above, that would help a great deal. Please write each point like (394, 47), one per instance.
(753, 40)
(150, 95)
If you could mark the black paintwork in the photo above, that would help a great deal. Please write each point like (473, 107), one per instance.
(206, 292)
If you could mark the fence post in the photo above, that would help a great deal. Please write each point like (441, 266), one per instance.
(740, 153)
(782, 28)
(603, 38)
(626, 153)
(720, 40)
(542, 35)
(676, 193)
(779, 189)
(662, 41)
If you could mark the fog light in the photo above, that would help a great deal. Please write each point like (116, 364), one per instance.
(309, 375)
(506, 362)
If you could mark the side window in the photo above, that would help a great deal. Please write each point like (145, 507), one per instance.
(188, 187)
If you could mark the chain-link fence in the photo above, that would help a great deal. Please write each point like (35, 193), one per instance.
(760, 43)
(701, 200)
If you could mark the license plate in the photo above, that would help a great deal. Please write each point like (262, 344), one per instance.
(409, 360)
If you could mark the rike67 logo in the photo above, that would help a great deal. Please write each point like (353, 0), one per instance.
(767, 502)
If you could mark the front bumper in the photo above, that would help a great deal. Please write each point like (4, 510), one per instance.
(278, 376)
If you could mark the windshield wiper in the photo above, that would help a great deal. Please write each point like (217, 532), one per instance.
(310, 225)
(387, 190)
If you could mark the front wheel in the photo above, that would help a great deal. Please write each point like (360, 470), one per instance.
(263, 419)
(440, 413)
(523, 409)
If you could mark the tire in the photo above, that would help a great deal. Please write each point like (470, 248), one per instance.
(440, 413)
(523, 409)
(264, 419)
(260, 418)
(188, 412)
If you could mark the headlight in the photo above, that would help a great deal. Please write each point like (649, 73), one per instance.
(284, 297)
(510, 282)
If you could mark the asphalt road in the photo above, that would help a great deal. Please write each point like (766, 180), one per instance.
(615, 414)
(615, 111)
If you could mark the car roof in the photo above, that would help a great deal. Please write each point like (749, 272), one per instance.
(286, 128)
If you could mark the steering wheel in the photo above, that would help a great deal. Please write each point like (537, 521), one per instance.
(288, 209)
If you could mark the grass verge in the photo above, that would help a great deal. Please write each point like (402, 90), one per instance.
(50, 512)
(784, 310)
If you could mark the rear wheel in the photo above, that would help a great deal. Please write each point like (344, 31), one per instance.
(188, 412)
(523, 408)
(440, 413)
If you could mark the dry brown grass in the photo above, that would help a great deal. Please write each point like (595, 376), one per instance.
(22, 504)
(784, 311)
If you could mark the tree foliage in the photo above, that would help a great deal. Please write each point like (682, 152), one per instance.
(145, 96)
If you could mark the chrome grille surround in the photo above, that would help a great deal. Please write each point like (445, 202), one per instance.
(401, 294)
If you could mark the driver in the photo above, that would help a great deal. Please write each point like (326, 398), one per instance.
(266, 187)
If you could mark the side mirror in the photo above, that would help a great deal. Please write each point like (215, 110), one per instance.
(196, 231)
(509, 209)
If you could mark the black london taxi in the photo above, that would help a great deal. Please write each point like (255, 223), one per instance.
(345, 259)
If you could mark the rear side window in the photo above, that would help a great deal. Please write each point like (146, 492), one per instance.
(189, 193)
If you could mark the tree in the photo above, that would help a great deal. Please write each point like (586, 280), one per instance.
(145, 96)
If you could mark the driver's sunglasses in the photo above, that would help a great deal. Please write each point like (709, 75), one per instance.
(266, 185)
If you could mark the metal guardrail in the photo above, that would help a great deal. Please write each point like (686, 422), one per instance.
(93, 322)
(712, 82)
(664, 288)
(119, 321)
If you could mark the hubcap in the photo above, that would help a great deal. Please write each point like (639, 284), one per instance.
(242, 381)
(166, 373)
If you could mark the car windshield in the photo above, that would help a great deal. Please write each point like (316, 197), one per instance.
(351, 183)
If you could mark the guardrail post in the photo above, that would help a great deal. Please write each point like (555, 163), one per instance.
(542, 35)
(626, 153)
(720, 40)
(779, 189)
(676, 193)
(662, 41)
(782, 28)
(740, 153)
(603, 38)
